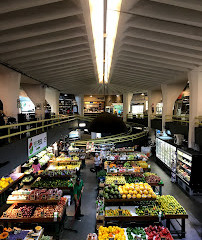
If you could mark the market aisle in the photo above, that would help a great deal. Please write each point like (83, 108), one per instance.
(193, 205)
(87, 224)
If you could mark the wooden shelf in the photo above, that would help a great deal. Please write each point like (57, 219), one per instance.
(32, 201)
(128, 200)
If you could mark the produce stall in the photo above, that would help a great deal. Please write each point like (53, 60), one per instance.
(8, 182)
(46, 214)
(18, 233)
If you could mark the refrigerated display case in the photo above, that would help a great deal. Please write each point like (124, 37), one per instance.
(189, 164)
(165, 151)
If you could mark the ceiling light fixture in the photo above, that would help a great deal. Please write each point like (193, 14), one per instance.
(97, 22)
(91, 96)
(112, 20)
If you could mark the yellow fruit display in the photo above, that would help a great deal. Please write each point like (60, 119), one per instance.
(137, 190)
(5, 182)
(115, 232)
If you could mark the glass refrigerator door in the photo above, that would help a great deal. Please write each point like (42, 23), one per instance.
(184, 163)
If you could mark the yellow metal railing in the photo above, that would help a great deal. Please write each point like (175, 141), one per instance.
(156, 116)
(34, 126)
(176, 118)
(112, 139)
(198, 121)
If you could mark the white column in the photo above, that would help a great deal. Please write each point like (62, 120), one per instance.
(36, 92)
(195, 102)
(127, 97)
(52, 97)
(154, 97)
(170, 93)
(80, 103)
(9, 91)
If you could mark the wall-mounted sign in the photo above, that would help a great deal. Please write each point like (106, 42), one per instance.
(36, 144)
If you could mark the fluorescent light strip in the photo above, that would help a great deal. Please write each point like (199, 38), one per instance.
(113, 12)
(97, 21)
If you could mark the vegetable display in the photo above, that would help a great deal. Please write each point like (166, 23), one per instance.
(52, 183)
(158, 233)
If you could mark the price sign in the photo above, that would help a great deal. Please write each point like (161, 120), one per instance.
(120, 212)
(19, 214)
(163, 238)
(111, 238)
(116, 181)
(146, 212)
(4, 214)
(138, 238)
(42, 214)
(136, 181)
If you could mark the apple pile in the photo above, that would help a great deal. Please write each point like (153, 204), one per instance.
(157, 233)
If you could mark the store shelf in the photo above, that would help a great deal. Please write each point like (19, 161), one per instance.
(16, 177)
(187, 170)
(187, 163)
(32, 201)
(183, 179)
(128, 200)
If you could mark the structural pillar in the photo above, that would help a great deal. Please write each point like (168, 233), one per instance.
(36, 92)
(9, 91)
(52, 97)
(127, 97)
(80, 103)
(154, 97)
(195, 103)
(170, 92)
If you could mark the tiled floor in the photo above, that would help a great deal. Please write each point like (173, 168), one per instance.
(192, 205)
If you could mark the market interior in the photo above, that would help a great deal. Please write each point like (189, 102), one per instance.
(100, 119)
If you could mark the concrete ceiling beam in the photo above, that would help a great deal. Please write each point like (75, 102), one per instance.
(41, 28)
(167, 12)
(45, 48)
(166, 48)
(38, 14)
(10, 5)
(176, 29)
(42, 40)
(54, 59)
(164, 38)
(50, 54)
(175, 64)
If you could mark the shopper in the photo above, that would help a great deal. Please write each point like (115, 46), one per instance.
(78, 190)
(36, 165)
(97, 162)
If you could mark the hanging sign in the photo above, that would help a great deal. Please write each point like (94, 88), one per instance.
(36, 144)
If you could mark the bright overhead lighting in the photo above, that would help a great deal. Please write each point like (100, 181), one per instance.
(97, 21)
(142, 94)
(112, 20)
(91, 96)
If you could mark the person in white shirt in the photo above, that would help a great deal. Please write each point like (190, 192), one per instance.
(97, 163)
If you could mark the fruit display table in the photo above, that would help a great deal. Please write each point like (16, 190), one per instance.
(52, 217)
(15, 177)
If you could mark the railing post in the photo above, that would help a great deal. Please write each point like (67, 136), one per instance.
(20, 134)
(9, 132)
(43, 127)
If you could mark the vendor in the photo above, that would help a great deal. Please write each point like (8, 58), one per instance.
(36, 165)
(78, 190)
(97, 163)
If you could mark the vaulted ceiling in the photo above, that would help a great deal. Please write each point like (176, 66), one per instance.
(158, 41)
